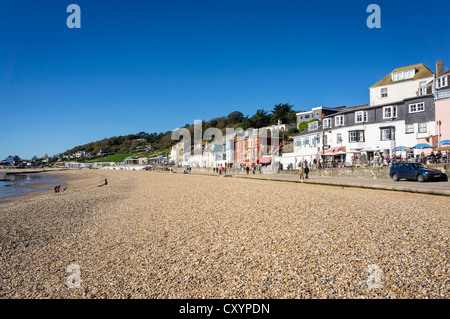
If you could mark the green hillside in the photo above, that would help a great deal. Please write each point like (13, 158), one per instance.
(144, 144)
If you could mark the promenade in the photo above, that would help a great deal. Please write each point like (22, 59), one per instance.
(432, 188)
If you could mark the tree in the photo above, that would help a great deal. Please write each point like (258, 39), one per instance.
(283, 112)
(260, 119)
(247, 123)
(235, 117)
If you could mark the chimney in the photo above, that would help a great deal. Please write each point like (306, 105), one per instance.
(439, 67)
(279, 122)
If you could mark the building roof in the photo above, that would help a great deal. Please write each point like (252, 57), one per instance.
(307, 132)
(444, 73)
(349, 109)
(421, 72)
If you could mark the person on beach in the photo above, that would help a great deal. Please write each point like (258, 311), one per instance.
(302, 177)
(56, 188)
(306, 171)
(106, 183)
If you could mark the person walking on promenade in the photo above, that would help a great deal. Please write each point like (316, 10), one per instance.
(300, 169)
(247, 169)
(306, 171)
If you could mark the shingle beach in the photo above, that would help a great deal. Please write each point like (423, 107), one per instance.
(164, 235)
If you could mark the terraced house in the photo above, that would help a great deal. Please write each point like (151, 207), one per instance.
(402, 112)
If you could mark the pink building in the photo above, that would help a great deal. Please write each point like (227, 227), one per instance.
(442, 102)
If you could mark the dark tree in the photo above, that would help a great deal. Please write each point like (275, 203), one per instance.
(235, 117)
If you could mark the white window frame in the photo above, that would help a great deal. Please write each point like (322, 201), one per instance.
(356, 136)
(313, 126)
(441, 82)
(326, 123)
(391, 135)
(408, 128)
(339, 138)
(385, 93)
(363, 115)
(339, 120)
(423, 90)
(422, 130)
(392, 112)
(416, 107)
(403, 75)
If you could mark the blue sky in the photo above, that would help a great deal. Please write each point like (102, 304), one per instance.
(157, 65)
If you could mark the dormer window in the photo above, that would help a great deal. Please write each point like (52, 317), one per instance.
(361, 116)
(339, 120)
(403, 75)
(441, 82)
(389, 112)
(422, 88)
(326, 123)
(313, 126)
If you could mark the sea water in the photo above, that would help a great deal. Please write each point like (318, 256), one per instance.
(13, 185)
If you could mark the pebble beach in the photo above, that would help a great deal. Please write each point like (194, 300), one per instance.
(170, 235)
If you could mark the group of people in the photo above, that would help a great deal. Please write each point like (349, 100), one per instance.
(58, 188)
(432, 158)
(220, 170)
(303, 170)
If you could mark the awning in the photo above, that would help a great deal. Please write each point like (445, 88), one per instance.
(334, 150)
(265, 159)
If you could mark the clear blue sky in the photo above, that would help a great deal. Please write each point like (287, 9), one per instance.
(157, 65)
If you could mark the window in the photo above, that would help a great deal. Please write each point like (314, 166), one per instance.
(298, 143)
(339, 138)
(313, 126)
(409, 128)
(318, 139)
(442, 82)
(356, 136)
(417, 107)
(387, 133)
(384, 92)
(423, 90)
(423, 127)
(306, 141)
(339, 120)
(389, 112)
(306, 117)
(326, 123)
(361, 116)
(403, 75)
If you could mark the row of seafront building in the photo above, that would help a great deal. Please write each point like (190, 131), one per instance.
(410, 105)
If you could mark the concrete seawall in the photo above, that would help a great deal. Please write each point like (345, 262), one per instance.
(360, 172)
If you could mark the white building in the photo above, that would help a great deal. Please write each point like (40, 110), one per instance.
(400, 84)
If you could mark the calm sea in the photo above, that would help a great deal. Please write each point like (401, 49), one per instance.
(12, 185)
